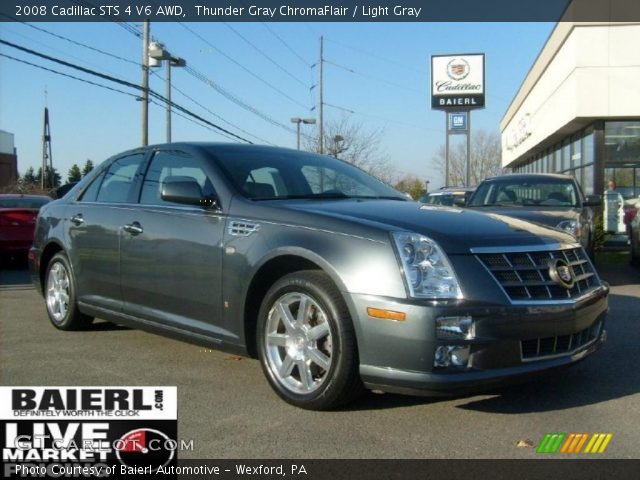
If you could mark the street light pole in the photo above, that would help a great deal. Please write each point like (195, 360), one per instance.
(298, 121)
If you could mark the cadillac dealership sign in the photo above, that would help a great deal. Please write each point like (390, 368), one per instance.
(457, 81)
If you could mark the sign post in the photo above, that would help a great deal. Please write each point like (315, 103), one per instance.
(457, 87)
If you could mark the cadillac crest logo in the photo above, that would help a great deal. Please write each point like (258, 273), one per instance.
(562, 273)
(458, 69)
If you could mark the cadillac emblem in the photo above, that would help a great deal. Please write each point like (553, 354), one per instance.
(562, 273)
(458, 69)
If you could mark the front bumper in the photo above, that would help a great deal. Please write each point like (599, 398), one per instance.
(399, 356)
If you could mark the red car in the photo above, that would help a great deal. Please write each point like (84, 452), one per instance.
(17, 222)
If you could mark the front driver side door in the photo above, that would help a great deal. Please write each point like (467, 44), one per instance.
(171, 254)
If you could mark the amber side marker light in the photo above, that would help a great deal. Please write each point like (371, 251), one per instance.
(386, 314)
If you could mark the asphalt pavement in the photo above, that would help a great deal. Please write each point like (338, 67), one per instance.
(227, 408)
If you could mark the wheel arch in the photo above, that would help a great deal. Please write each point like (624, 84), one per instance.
(48, 252)
(270, 270)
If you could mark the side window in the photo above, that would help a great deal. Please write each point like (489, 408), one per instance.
(175, 165)
(91, 193)
(265, 182)
(119, 179)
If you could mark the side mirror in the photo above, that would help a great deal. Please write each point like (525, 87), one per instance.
(187, 192)
(459, 201)
(593, 201)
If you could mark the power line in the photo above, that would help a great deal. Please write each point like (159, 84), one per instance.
(125, 83)
(68, 75)
(377, 79)
(80, 44)
(284, 42)
(195, 122)
(233, 98)
(184, 94)
(379, 57)
(250, 72)
(257, 49)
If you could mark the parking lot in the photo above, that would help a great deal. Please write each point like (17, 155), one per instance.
(227, 408)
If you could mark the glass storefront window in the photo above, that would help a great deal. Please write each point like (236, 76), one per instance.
(576, 150)
(566, 156)
(588, 148)
(587, 180)
(622, 142)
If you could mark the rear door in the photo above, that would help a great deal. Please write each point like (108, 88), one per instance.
(171, 254)
(94, 223)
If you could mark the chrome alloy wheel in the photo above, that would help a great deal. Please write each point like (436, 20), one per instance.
(58, 292)
(298, 343)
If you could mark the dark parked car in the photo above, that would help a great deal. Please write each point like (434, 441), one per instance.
(18, 221)
(548, 199)
(633, 230)
(448, 197)
(333, 279)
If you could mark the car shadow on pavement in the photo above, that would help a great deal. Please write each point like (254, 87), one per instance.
(606, 375)
(14, 273)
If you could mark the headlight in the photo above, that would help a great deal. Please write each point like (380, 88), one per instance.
(570, 226)
(426, 267)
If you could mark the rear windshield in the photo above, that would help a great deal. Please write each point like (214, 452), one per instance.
(548, 192)
(23, 202)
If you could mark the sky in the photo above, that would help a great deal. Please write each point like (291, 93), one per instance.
(380, 71)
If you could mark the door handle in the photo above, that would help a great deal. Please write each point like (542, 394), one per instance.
(77, 220)
(133, 228)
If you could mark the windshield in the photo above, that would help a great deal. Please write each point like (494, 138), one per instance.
(548, 192)
(279, 174)
(23, 202)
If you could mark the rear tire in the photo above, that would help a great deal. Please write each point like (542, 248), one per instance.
(60, 295)
(307, 344)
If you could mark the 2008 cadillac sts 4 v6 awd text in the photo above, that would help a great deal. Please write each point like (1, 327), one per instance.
(333, 279)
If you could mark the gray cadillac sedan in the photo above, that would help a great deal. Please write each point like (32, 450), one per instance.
(331, 278)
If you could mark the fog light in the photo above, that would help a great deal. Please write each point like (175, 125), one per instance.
(455, 327)
(451, 355)
(442, 357)
(460, 356)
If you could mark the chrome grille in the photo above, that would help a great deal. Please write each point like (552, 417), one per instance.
(537, 348)
(524, 276)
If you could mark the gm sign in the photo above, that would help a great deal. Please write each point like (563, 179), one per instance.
(457, 81)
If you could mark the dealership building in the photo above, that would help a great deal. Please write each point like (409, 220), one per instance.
(578, 109)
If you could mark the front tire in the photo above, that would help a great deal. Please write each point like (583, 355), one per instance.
(60, 295)
(306, 342)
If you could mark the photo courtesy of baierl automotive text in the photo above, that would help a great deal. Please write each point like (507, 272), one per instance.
(319, 239)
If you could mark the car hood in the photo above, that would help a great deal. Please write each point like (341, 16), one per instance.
(456, 230)
(544, 216)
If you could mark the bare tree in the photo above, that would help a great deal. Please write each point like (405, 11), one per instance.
(353, 143)
(485, 158)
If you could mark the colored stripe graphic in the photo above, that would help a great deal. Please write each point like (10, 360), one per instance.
(551, 442)
(598, 443)
(573, 443)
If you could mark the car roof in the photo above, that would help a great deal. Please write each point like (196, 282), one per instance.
(529, 176)
(23, 195)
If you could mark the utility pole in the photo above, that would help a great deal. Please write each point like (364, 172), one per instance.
(321, 125)
(168, 97)
(46, 148)
(145, 84)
